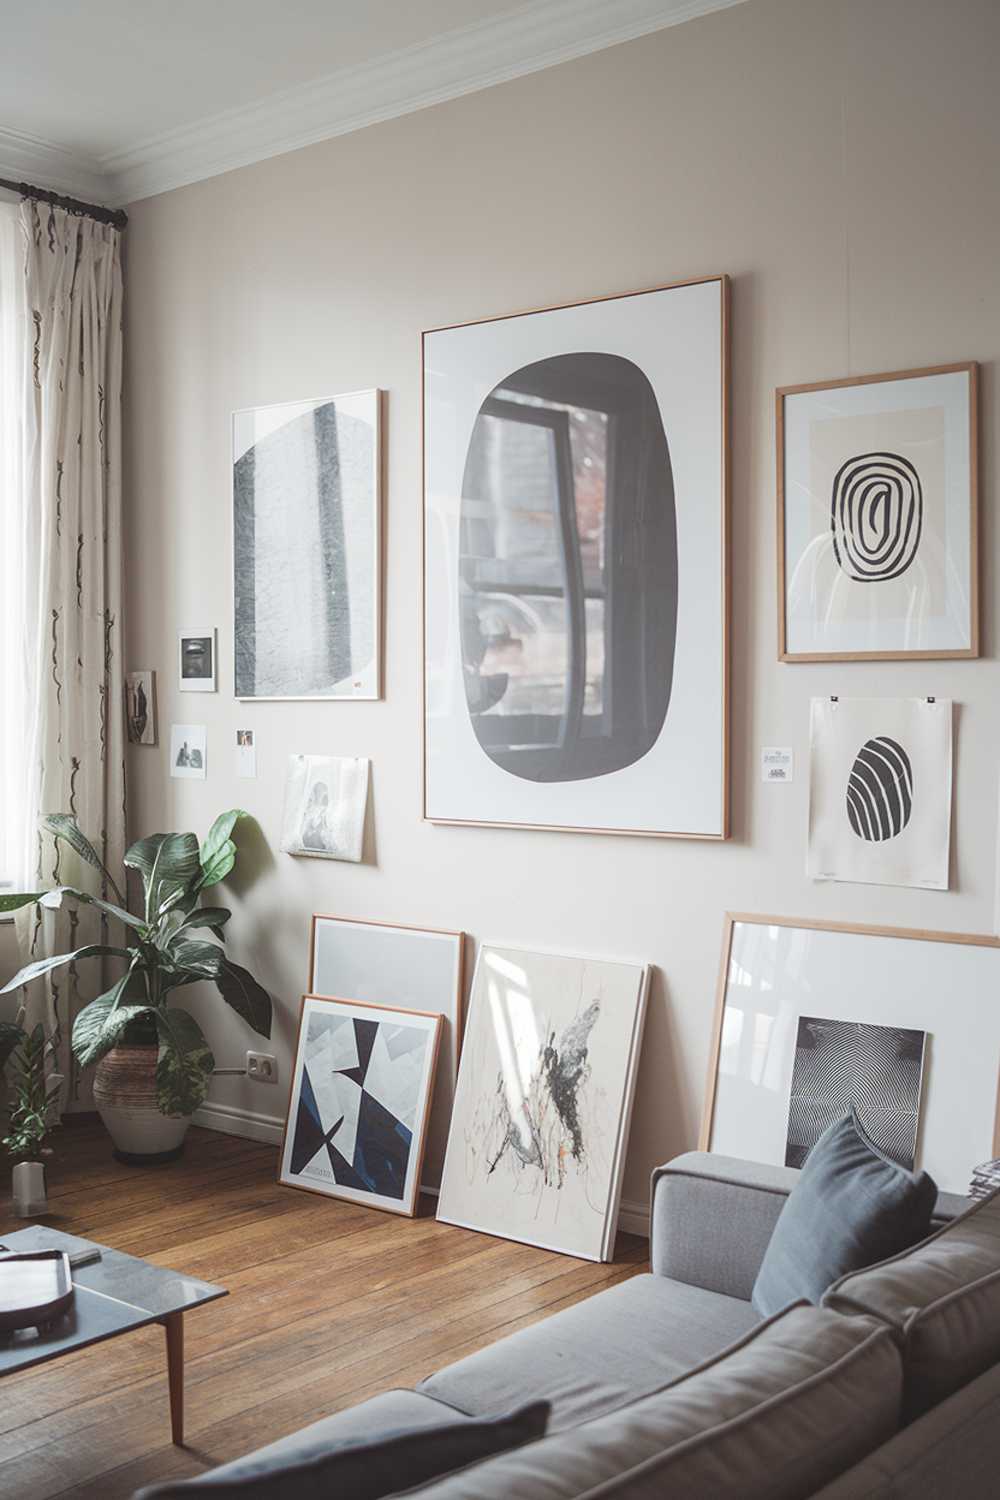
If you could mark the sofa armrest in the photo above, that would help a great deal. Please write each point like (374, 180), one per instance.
(712, 1217)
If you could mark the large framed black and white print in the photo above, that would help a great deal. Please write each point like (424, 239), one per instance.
(306, 548)
(877, 525)
(815, 1018)
(575, 618)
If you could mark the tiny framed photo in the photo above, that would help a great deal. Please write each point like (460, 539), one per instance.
(189, 751)
(360, 1102)
(877, 517)
(140, 707)
(196, 652)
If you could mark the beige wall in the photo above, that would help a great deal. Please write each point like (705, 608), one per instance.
(838, 159)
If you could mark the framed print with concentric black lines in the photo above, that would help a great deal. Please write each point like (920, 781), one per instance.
(575, 566)
(877, 517)
(815, 1018)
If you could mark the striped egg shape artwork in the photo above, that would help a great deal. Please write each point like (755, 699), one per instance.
(876, 516)
(880, 790)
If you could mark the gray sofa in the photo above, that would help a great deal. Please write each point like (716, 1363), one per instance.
(669, 1383)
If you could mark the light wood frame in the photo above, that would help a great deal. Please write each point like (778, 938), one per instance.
(327, 916)
(724, 288)
(971, 368)
(815, 924)
(405, 1210)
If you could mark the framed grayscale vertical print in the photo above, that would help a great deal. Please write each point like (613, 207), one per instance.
(307, 548)
(877, 517)
(575, 612)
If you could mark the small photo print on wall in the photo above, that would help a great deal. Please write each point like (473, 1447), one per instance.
(877, 499)
(845, 1065)
(196, 660)
(880, 781)
(326, 797)
(246, 754)
(140, 707)
(189, 751)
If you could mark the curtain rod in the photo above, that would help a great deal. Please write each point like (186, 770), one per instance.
(116, 216)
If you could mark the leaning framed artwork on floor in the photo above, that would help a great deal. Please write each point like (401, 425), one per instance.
(574, 678)
(359, 1102)
(544, 1099)
(815, 1018)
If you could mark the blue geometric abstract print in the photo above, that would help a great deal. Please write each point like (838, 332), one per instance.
(358, 1101)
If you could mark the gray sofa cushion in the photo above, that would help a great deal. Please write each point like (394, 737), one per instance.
(851, 1207)
(943, 1300)
(632, 1338)
(797, 1401)
(376, 1449)
(952, 1451)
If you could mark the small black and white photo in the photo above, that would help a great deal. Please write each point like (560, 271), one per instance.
(140, 707)
(246, 754)
(196, 660)
(326, 798)
(189, 751)
(844, 1065)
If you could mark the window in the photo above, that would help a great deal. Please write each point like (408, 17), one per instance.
(13, 842)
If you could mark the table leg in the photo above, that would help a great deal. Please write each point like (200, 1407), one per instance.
(173, 1324)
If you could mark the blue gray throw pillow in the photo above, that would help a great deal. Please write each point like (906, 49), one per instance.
(365, 1468)
(851, 1208)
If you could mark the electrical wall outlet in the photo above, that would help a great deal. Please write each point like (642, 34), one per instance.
(262, 1067)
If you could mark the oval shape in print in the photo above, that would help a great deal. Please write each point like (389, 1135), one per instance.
(876, 516)
(568, 569)
(880, 790)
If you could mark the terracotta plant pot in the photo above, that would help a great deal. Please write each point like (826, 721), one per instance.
(125, 1095)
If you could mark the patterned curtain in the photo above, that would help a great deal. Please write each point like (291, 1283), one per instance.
(71, 519)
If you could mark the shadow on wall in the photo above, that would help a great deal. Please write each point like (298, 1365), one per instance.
(663, 1109)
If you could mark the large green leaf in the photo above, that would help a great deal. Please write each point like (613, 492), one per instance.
(101, 1024)
(43, 965)
(54, 898)
(219, 841)
(185, 1064)
(249, 999)
(11, 1036)
(168, 864)
(215, 917)
(194, 957)
(65, 827)
(15, 902)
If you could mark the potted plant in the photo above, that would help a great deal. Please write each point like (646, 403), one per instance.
(153, 1062)
(28, 1115)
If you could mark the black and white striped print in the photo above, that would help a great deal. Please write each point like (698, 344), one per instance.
(880, 790)
(876, 515)
(840, 1065)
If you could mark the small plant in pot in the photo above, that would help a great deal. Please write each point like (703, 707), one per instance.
(32, 1095)
(153, 1062)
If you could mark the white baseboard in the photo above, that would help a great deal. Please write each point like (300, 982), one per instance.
(249, 1123)
(633, 1218)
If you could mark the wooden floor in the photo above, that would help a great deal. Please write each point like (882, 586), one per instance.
(328, 1304)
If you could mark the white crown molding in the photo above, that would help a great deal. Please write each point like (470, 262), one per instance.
(455, 63)
(25, 158)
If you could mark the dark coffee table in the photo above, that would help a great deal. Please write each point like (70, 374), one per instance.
(111, 1296)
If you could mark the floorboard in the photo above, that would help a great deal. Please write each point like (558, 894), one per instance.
(329, 1304)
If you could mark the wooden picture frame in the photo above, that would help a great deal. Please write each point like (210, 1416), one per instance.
(308, 1132)
(848, 496)
(384, 978)
(556, 811)
(978, 1088)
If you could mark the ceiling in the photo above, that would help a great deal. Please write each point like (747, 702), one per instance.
(119, 99)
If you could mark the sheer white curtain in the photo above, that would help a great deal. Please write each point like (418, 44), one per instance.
(14, 866)
(71, 602)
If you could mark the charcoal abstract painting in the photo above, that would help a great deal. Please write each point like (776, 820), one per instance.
(880, 790)
(356, 1121)
(544, 1093)
(306, 549)
(844, 1065)
(877, 516)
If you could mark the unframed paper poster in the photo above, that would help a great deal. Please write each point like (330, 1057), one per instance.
(880, 774)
